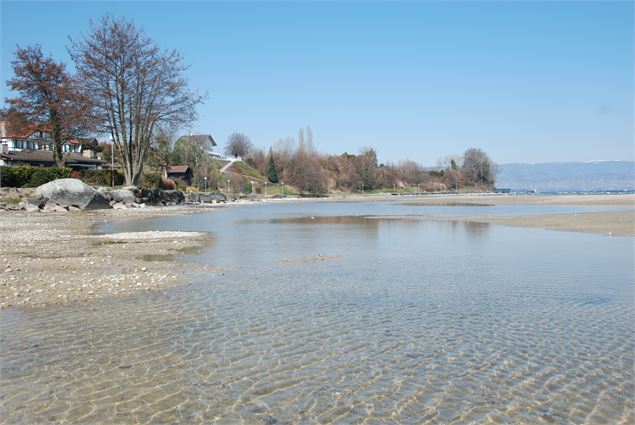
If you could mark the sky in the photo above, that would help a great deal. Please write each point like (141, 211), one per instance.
(524, 81)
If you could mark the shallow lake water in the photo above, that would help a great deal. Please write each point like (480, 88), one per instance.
(329, 313)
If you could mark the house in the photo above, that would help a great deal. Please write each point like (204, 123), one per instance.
(45, 159)
(206, 141)
(34, 146)
(182, 173)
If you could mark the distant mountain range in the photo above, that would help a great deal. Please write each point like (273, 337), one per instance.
(568, 176)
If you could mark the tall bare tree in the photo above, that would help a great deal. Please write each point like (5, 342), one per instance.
(49, 98)
(134, 88)
(238, 145)
(478, 168)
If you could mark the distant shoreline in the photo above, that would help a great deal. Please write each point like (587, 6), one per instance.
(614, 223)
(482, 198)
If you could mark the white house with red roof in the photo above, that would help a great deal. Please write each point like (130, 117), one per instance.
(34, 146)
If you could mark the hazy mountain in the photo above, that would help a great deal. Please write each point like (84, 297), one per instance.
(568, 176)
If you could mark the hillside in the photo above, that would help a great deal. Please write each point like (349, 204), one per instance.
(243, 169)
(568, 176)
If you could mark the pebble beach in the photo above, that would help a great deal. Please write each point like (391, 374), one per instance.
(55, 258)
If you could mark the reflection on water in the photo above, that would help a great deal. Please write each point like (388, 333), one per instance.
(473, 229)
(410, 321)
(446, 204)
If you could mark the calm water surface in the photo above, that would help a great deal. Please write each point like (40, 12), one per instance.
(327, 315)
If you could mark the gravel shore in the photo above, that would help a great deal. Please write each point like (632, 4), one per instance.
(54, 259)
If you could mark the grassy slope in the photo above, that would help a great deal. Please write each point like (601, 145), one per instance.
(243, 169)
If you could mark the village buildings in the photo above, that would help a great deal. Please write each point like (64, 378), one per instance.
(34, 146)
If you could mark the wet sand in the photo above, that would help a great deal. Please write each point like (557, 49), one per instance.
(613, 223)
(616, 223)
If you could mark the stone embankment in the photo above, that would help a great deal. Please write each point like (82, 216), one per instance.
(67, 195)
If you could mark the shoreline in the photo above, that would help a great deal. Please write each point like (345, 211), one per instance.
(493, 199)
(56, 258)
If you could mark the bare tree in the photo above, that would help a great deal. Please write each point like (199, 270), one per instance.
(305, 172)
(410, 172)
(478, 168)
(134, 88)
(238, 145)
(48, 98)
(366, 168)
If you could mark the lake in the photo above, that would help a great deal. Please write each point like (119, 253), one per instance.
(325, 312)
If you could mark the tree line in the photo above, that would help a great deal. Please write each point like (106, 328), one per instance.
(298, 163)
(125, 86)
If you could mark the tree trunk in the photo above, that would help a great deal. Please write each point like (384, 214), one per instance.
(56, 135)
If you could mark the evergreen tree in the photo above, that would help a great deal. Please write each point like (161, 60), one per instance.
(272, 174)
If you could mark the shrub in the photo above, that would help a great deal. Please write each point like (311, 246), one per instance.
(101, 177)
(16, 176)
(151, 181)
(39, 177)
(167, 184)
(44, 175)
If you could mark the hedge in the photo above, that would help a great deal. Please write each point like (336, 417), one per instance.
(100, 177)
(27, 176)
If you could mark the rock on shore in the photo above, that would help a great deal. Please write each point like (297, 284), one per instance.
(70, 192)
(64, 195)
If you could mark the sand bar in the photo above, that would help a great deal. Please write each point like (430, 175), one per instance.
(612, 223)
(505, 199)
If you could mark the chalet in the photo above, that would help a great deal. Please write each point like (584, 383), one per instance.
(182, 173)
(34, 146)
(206, 141)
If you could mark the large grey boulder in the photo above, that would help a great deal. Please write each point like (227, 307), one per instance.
(67, 192)
(105, 192)
(125, 196)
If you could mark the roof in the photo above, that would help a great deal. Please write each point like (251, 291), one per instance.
(201, 139)
(47, 156)
(84, 141)
(25, 133)
(178, 169)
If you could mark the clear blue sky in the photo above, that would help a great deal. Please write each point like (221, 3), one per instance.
(524, 81)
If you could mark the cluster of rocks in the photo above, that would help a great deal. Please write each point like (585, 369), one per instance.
(206, 197)
(65, 195)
